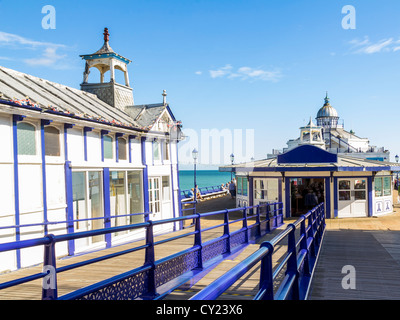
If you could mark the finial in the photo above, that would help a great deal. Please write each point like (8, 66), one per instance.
(164, 94)
(326, 98)
(106, 35)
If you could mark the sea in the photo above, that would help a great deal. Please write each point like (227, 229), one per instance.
(204, 178)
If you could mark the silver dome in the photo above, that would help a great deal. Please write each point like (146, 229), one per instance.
(327, 111)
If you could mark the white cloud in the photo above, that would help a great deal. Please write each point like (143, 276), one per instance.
(245, 73)
(221, 71)
(198, 73)
(365, 46)
(48, 57)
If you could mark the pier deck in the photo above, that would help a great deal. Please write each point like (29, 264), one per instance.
(372, 247)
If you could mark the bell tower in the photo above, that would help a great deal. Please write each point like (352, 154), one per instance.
(115, 94)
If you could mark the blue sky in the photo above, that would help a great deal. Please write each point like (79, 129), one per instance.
(258, 65)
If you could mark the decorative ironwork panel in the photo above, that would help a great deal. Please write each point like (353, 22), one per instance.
(238, 238)
(214, 249)
(175, 267)
(126, 289)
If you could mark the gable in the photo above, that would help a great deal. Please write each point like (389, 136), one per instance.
(307, 154)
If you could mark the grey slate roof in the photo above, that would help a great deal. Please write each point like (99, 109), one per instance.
(45, 94)
(145, 114)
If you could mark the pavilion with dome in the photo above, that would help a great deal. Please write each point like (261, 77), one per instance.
(325, 164)
(334, 138)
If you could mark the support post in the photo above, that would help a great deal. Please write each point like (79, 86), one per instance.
(150, 260)
(226, 230)
(266, 273)
(292, 262)
(49, 285)
(197, 241)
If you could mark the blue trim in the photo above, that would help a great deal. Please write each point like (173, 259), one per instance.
(85, 131)
(179, 187)
(105, 55)
(280, 181)
(288, 205)
(16, 118)
(70, 205)
(44, 123)
(335, 197)
(172, 187)
(145, 178)
(370, 195)
(327, 201)
(107, 205)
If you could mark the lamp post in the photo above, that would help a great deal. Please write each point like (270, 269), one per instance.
(194, 155)
(397, 177)
(232, 159)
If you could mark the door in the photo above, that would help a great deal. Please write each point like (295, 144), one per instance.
(154, 198)
(87, 204)
(352, 198)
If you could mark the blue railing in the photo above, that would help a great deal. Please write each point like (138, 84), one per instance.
(185, 194)
(142, 282)
(299, 260)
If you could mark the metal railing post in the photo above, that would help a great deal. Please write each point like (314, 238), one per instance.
(266, 273)
(246, 235)
(258, 221)
(150, 259)
(275, 216)
(226, 230)
(311, 235)
(268, 218)
(198, 242)
(49, 284)
(303, 246)
(292, 262)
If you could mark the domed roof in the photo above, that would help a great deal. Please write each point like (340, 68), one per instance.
(327, 111)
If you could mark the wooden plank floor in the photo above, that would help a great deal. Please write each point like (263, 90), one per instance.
(69, 281)
(244, 288)
(375, 256)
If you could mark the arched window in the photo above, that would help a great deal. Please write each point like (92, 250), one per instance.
(26, 139)
(108, 151)
(52, 141)
(121, 149)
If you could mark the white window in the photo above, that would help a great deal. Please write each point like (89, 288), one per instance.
(154, 195)
(26, 137)
(108, 149)
(52, 141)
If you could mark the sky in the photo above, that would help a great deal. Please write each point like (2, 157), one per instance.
(252, 72)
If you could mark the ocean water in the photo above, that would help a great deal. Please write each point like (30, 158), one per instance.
(204, 178)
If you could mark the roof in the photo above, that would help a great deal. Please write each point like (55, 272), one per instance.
(343, 163)
(327, 111)
(23, 90)
(147, 113)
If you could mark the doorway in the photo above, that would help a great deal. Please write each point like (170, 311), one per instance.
(305, 194)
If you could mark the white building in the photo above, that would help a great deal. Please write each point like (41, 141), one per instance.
(70, 155)
(329, 134)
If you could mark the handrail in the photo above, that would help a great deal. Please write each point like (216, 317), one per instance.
(148, 274)
(72, 221)
(299, 262)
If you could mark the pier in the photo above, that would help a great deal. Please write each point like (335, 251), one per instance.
(370, 245)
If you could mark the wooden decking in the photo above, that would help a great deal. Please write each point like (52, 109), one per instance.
(375, 256)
